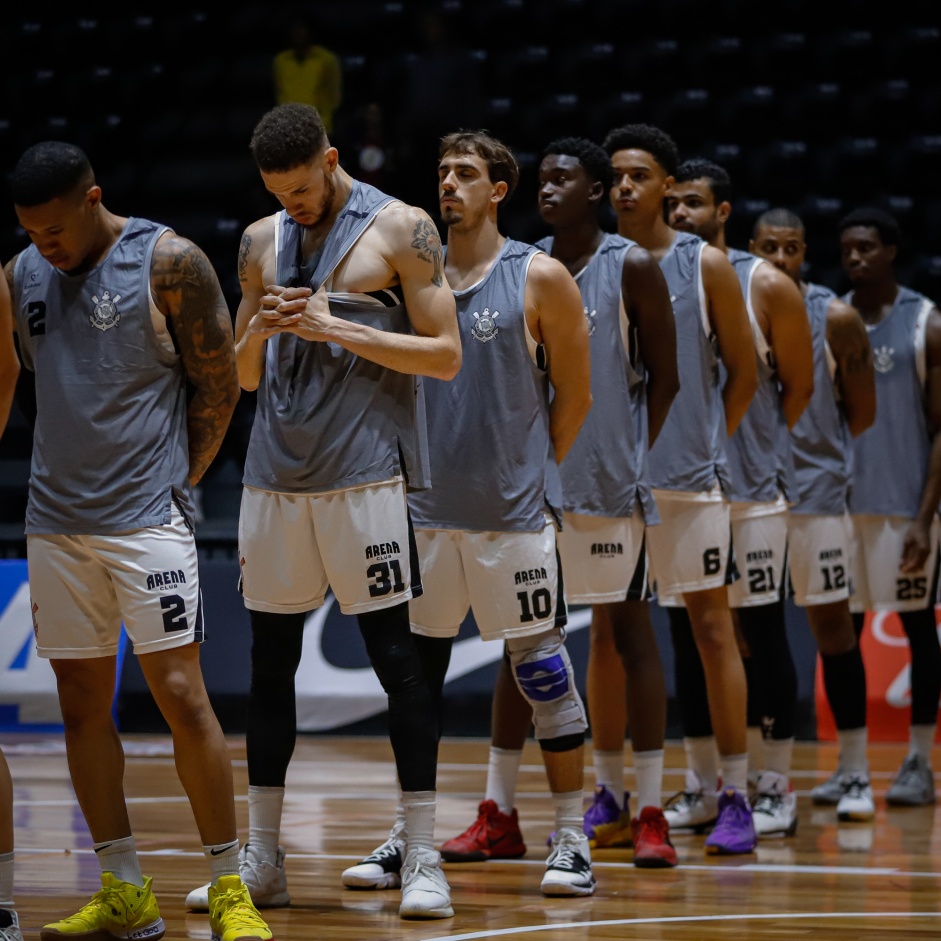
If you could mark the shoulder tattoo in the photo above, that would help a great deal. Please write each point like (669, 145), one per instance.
(426, 239)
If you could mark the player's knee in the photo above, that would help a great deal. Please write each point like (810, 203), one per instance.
(543, 672)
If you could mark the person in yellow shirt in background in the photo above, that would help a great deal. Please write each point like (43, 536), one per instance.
(308, 73)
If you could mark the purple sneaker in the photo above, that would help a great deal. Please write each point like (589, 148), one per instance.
(734, 831)
(606, 824)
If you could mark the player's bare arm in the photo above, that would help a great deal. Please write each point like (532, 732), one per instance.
(647, 299)
(918, 538)
(256, 318)
(186, 290)
(729, 319)
(555, 316)
(781, 306)
(408, 244)
(855, 375)
(9, 361)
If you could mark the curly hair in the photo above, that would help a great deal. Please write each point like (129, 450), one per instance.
(49, 170)
(698, 168)
(645, 137)
(888, 228)
(596, 162)
(501, 164)
(288, 136)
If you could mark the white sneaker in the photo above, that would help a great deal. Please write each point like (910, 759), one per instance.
(381, 868)
(694, 808)
(568, 868)
(774, 812)
(267, 882)
(425, 890)
(856, 801)
(11, 932)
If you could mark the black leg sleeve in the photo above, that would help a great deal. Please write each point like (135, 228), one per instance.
(413, 724)
(435, 656)
(844, 678)
(922, 633)
(271, 729)
(771, 673)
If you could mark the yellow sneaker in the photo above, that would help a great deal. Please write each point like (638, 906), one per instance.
(119, 910)
(232, 914)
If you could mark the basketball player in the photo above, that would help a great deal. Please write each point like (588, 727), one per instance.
(894, 502)
(344, 302)
(690, 550)
(843, 406)
(9, 370)
(115, 317)
(486, 530)
(762, 473)
(607, 504)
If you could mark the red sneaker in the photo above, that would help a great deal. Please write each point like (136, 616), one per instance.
(492, 835)
(652, 846)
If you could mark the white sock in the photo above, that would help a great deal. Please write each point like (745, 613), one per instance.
(568, 810)
(852, 744)
(265, 805)
(119, 857)
(648, 770)
(778, 753)
(756, 750)
(735, 771)
(502, 772)
(702, 757)
(223, 859)
(399, 825)
(609, 771)
(419, 809)
(6, 881)
(921, 740)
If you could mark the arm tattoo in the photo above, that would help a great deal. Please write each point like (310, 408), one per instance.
(186, 286)
(426, 239)
(245, 246)
(858, 358)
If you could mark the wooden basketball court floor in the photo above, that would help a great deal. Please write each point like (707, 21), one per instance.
(880, 881)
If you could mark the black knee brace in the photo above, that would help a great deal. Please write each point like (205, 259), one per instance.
(922, 633)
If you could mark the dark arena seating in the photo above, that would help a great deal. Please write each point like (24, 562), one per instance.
(818, 107)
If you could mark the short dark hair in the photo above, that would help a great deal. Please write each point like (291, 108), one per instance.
(645, 137)
(779, 218)
(878, 219)
(698, 168)
(49, 170)
(501, 164)
(288, 136)
(590, 155)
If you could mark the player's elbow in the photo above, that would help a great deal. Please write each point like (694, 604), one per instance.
(450, 364)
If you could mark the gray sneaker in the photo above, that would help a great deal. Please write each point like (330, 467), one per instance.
(830, 792)
(913, 785)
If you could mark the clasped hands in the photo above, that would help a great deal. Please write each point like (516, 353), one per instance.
(299, 310)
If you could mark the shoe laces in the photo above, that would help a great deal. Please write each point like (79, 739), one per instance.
(478, 829)
(566, 851)
(235, 906)
(425, 866)
(853, 787)
(388, 850)
(683, 800)
(909, 772)
(768, 803)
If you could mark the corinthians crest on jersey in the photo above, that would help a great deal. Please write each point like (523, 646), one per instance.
(882, 358)
(485, 327)
(106, 313)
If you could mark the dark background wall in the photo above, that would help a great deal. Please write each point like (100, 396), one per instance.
(819, 107)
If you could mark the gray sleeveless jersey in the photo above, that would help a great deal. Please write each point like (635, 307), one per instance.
(759, 452)
(326, 418)
(690, 451)
(605, 471)
(492, 463)
(820, 440)
(890, 458)
(109, 447)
